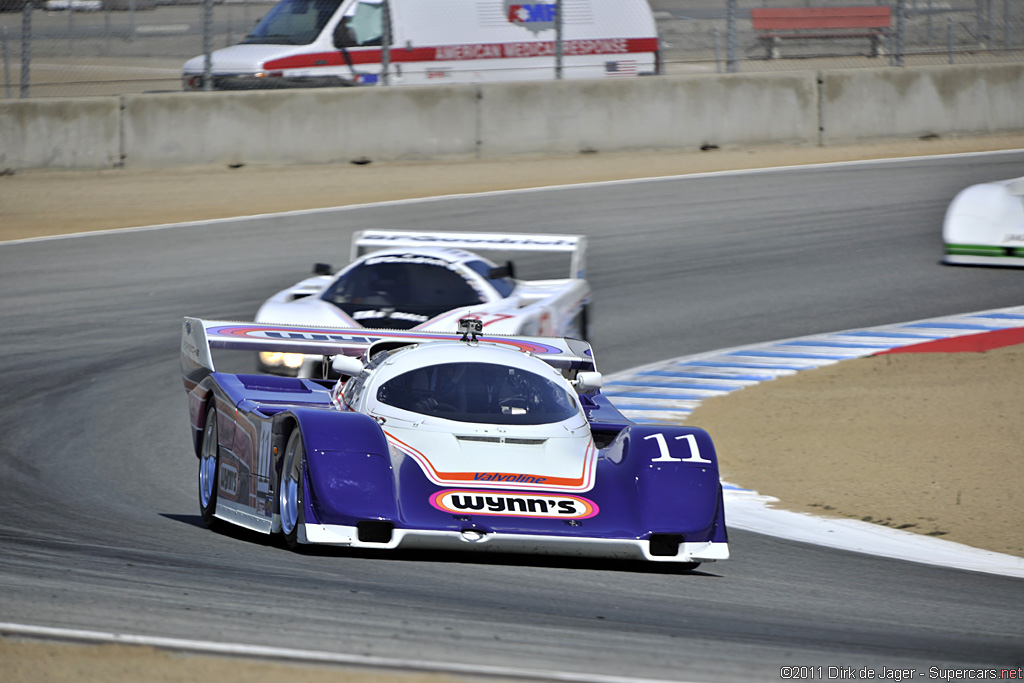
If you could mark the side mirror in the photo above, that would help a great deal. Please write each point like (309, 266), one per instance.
(507, 270)
(322, 269)
(588, 382)
(347, 366)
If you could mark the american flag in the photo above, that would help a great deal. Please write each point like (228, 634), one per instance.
(623, 68)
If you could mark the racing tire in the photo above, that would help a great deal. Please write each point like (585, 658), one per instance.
(290, 501)
(209, 467)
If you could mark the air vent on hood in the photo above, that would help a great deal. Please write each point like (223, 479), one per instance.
(502, 439)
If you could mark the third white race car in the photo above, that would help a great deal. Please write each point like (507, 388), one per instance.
(427, 282)
(985, 225)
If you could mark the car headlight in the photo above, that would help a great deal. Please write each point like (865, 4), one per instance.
(276, 358)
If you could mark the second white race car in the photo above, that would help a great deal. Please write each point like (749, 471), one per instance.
(427, 282)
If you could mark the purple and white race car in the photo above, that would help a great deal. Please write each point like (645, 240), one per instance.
(443, 441)
(428, 281)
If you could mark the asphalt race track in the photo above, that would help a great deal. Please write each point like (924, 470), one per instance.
(100, 527)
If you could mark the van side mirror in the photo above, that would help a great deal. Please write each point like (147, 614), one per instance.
(343, 35)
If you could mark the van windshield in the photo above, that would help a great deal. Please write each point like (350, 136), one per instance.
(293, 22)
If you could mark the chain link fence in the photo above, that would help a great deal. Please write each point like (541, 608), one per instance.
(718, 35)
(76, 48)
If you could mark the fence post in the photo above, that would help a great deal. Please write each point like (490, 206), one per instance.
(208, 45)
(558, 40)
(7, 66)
(979, 21)
(26, 47)
(989, 37)
(901, 11)
(929, 23)
(131, 21)
(71, 26)
(385, 50)
(718, 51)
(949, 38)
(730, 38)
(1006, 24)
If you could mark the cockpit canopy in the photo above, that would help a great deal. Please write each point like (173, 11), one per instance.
(400, 291)
(479, 393)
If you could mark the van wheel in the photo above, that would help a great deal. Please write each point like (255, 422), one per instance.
(290, 490)
(209, 464)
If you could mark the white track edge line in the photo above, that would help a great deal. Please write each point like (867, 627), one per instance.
(495, 193)
(310, 656)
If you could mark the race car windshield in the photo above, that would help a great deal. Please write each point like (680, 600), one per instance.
(400, 292)
(480, 393)
(293, 22)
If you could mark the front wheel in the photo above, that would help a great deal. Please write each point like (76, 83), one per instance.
(209, 464)
(290, 490)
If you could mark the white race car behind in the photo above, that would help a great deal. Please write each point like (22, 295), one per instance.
(984, 225)
(427, 282)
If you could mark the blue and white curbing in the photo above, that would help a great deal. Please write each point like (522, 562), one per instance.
(668, 391)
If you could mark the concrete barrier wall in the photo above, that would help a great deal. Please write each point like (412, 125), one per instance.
(495, 120)
(873, 103)
(669, 112)
(62, 133)
(298, 126)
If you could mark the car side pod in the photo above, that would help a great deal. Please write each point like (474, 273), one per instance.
(678, 488)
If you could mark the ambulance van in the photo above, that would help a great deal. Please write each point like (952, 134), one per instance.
(317, 43)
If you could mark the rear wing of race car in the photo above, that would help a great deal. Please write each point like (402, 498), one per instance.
(199, 338)
(576, 245)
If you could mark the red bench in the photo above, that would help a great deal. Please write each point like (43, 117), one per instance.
(785, 23)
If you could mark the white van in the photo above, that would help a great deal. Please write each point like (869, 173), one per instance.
(314, 43)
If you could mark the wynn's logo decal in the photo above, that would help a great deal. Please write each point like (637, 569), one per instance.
(510, 504)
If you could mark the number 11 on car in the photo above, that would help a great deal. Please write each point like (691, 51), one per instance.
(666, 456)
